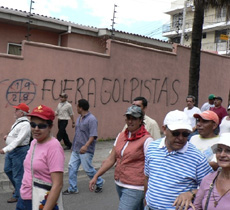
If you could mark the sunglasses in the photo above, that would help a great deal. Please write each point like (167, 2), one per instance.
(177, 133)
(220, 150)
(40, 125)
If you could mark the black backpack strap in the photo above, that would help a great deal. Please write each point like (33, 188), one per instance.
(210, 191)
(18, 123)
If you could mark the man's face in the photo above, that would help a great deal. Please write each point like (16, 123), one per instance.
(190, 103)
(174, 141)
(79, 110)
(217, 102)
(18, 113)
(62, 99)
(206, 127)
(211, 101)
(140, 104)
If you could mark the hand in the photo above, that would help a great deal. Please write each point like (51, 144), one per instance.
(2, 152)
(92, 183)
(83, 149)
(183, 201)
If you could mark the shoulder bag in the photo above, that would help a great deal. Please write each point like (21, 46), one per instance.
(40, 191)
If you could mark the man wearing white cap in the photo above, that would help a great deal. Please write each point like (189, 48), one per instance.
(17, 142)
(174, 167)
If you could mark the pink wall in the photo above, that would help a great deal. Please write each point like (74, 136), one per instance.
(89, 43)
(109, 81)
(15, 34)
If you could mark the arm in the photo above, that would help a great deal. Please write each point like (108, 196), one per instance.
(57, 182)
(73, 123)
(107, 164)
(145, 188)
(85, 147)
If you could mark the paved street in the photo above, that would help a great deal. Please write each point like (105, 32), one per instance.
(85, 200)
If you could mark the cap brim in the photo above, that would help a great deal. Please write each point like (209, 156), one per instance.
(37, 115)
(174, 127)
(134, 115)
(224, 140)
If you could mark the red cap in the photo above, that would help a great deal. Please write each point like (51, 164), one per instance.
(22, 107)
(43, 112)
(208, 115)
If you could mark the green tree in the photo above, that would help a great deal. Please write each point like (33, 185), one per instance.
(197, 29)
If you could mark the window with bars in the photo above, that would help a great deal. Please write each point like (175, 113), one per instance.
(14, 49)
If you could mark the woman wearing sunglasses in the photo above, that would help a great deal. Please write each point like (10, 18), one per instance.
(128, 153)
(44, 164)
(214, 191)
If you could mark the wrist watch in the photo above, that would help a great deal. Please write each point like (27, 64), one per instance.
(193, 194)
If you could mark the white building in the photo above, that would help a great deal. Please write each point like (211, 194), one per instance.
(215, 27)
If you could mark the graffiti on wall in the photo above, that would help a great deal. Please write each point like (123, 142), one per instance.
(109, 90)
(21, 91)
(105, 90)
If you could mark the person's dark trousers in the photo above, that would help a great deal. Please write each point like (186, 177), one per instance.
(14, 167)
(62, 133)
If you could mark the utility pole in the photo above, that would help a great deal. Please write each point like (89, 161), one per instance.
(113, 21)
(29, 20)
(183, 23)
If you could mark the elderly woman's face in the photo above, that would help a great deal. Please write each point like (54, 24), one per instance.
(223, 156)
(132, 123)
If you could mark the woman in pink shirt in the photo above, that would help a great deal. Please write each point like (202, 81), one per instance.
(214, 191)
(47, 159)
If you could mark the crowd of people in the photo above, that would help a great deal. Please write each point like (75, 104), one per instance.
(186, 166)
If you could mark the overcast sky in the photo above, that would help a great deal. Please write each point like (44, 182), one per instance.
(144, 17)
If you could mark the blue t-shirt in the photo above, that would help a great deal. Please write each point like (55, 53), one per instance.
(85, 128)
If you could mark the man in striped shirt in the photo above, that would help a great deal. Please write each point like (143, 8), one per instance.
(174, 167)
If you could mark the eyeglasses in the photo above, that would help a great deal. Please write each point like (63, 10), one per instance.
(178, 133)
(220, 150)
(40, 125)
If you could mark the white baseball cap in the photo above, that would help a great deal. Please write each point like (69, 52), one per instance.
(176, 120)
(224, 139)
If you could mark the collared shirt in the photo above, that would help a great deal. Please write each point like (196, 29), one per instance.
(64, 111)
(172, 173)
(19, 134)
(86, 127)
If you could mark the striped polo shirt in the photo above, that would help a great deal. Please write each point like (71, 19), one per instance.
(172, 173)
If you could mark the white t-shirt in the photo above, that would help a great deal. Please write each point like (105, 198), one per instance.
(225, 125)
(206, 106)
(204, 145)
(190, 113)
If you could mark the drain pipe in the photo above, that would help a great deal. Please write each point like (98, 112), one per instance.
(67, 32)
